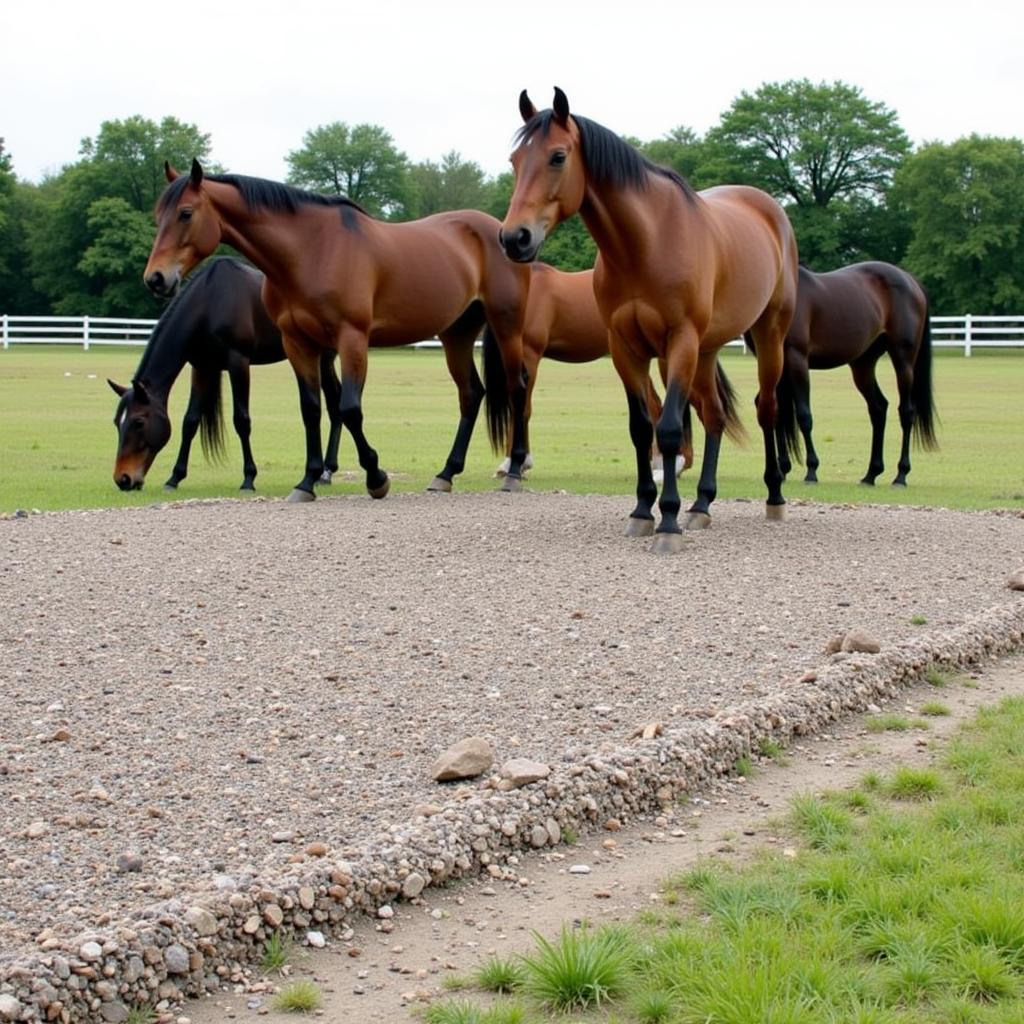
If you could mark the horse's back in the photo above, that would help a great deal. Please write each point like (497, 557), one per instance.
(562, 313)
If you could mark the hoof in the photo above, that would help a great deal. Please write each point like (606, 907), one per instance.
(381, 491)
(667, 543)
(512, 483)
(899, 483)
(247, 487)
(170, 487)
(326, 477)
(697, 521)
(440, 485)
(776, 513)
(867, 482)
(639, 527)
(300, 497)
(502, 471)
(810, 479)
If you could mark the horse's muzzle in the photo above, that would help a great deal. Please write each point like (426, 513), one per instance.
(161, 286)
(520, 245)
(126, 483)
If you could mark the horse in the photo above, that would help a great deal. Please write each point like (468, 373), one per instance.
(217, 323)
(679, 273)
(563, 323)
(852, 316)
(337, 281)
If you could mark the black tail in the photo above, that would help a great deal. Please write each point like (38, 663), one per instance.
(497, 400)
(925, 416)
(211, 423)
(727, 396)
(785, 419)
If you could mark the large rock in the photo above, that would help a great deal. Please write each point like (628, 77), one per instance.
(201, 920)
(464, 760)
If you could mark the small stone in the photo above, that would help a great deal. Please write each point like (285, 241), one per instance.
(386, 912)
(463, 760)
(90, 951)
(129, 862)
(99, 794)
(521, 771)
(114, 1012)
(317, 849)
(201, 920)
(10, 1007)
(413, 885)
(426, 810)
(176, 959)
(810, 676)
(307, 897)
(252, 925)
(61, 736)
(1016, 581)
(283, 837)
(273, 915)
(579, 869)
(613, 825)
(539, 836)
(861, 642)
(316, 939)
(834, 645)
(36, 830)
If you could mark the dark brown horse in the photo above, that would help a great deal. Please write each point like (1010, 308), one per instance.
(679, 273)
(563, 323)
(852, 316)
(338, 281)
(217, 323)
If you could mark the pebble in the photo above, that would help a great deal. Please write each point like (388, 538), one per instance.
(521, 771)
(579, 869)
(316, 939)
(10, 1007)
(1016, 580)
(129, 862)
(90, 951)
(386, 912)
(860, 641)
(463, 760)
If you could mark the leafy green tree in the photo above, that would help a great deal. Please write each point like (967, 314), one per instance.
(682, 150)
(816, 148)
(965, 204)
(454, 184)
(360, 162)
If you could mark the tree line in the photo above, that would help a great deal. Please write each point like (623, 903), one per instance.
(840, 164)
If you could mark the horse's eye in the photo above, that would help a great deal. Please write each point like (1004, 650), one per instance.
(558, 158)
(185, 215)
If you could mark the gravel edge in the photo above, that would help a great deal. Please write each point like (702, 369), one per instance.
(171, 951)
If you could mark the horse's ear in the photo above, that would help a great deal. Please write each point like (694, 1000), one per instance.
(196, 175)
(169, 172)
(526, 107)
(561, 107)
(141, 394)
(118, 389)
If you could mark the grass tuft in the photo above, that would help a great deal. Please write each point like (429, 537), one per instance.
(917, 620)
(277, 951)
(914, 784)
(499, 975)
(302, 996)
(935, 709)
(822, 825)
(141, 1014)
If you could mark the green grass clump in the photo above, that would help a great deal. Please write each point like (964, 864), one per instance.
(917, 620)
(277, 951)
(888, 723)
(453, 1013)
(822, 825)
(302, 996)
(935, 709)
(744, 766)
(772, 749)
(581, 969)
(140, 1014)
(934, 677)
(914, 784)
(499, 975)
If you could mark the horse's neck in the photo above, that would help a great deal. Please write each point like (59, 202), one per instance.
(169, 346)
(626, 231)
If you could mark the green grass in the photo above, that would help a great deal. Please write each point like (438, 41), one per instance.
(744, 766)
(917, 620)
(303, 996)
(499, 975)
(144, 1014)
(893, 723)
(935, 709)
(57, 440)
(277, 951)
(910, 911)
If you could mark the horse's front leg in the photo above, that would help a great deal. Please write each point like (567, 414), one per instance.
(352, 348)
(635, 379)
(190, 426)
(332, 396)
(305, 361)
(458, 342)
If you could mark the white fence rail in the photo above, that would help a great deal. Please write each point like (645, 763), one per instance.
(963, 332)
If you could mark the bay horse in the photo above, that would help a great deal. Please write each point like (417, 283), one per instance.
(679, 273)
(852, 316)
(562, 323)
(217, 323)
(338, 281)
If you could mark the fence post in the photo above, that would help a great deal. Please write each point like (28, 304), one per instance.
(3, 331)
(967, 336)
(85, 333)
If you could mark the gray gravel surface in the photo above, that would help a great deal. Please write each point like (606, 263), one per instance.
(203, 688)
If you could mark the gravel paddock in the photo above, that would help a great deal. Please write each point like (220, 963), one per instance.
(197, 695)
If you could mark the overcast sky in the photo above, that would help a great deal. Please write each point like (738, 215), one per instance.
(446, 75)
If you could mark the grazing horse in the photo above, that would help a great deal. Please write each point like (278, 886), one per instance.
(679, 273)
(217, 323)
(852, 316)
(338, 281)
(562, 323)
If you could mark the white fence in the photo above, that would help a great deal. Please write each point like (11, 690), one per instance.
(963, 332)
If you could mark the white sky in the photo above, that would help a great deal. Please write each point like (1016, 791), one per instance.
(446, 75)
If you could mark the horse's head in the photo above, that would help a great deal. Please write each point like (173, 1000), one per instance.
(188, 230)
(143, 428)
(550, 177)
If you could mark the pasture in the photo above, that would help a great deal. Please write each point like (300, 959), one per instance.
(57, 442)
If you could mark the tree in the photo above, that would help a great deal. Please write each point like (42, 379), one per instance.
(682, 150)
(454, 184)
(359, 162)
(815, 148)
(965, 204)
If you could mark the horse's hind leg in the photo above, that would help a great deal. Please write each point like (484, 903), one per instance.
(331, 387)
(712, 413)
(352, 347)
(768, 338)
(238, 371)
(190, 424)
(635, 380)
(902, 362)
(458, 341)
(863, 370)
(800, 381)
(305, 363)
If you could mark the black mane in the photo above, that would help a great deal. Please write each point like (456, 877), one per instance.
(609, 159)
(259, 194)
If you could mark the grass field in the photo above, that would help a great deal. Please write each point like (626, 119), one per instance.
(57, 440)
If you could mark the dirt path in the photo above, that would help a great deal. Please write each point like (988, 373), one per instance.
(378, 977)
